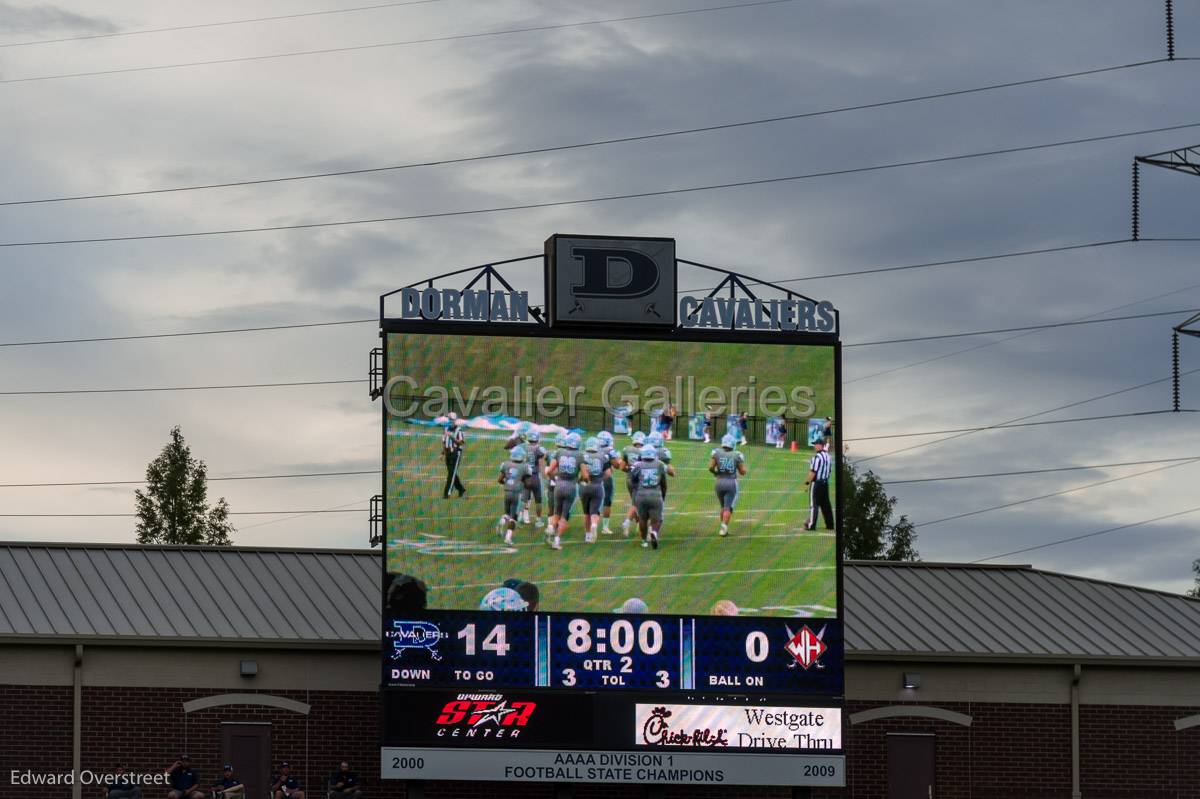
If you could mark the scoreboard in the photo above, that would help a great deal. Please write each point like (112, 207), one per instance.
(578, 584)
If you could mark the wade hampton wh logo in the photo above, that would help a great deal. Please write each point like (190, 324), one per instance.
(805, 647)
(483, 716)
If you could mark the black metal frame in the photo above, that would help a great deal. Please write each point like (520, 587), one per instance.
(484, 272)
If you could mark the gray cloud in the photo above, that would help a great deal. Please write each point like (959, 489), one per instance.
(424, 103)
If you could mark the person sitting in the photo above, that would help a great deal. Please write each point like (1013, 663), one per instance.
(119, 786)
(184, 781)
(228, 786)
(285, 784)
(344, 782)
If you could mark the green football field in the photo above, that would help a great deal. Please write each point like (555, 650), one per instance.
(768, 564)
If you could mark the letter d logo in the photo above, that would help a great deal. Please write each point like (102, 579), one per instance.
(602, 278)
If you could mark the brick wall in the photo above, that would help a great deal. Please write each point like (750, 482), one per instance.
(1009, 750)
(35, 734)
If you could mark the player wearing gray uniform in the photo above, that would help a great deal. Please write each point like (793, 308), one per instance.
(629, 458)
(514, 476)
(611, 459)
(648, 475)
(726, 465)
(591, 489)
(566, 469)
(535, 453)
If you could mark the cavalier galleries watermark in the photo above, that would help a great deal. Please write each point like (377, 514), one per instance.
(619, 395)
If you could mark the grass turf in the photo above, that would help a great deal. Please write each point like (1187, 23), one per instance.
(768, 564)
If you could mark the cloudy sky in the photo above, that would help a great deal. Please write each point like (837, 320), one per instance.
(468, 96)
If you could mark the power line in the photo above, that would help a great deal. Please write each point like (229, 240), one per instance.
(1089, 535)
(1022, 472)
(1028, 500)
(293, 517)
(43, 342)
(928, 264)
(176, 388)
(986, 344)
(297, 512)
(200, 25)
(611, 197)
(1030, 416)
(578, 145)
(1008, 426)
(406, 43)
(1047, 326)
(221, 331)
(210, 479)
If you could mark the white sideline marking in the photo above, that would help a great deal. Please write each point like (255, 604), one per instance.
(642, 577)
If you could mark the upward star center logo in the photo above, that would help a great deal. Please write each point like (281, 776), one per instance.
(495, 714)
(806, 647)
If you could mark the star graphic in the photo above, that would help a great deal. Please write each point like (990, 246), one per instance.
(496, 714)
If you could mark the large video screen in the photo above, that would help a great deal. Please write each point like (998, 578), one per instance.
(610, 476)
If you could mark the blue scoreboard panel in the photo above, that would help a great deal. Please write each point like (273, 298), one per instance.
(598, 651)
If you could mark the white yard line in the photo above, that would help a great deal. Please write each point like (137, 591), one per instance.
(641, 577)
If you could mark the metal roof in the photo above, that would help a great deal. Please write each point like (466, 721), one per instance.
(326, 597)
(1015, 613)
(171, 594)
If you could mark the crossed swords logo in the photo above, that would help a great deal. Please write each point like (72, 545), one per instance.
(792, 637)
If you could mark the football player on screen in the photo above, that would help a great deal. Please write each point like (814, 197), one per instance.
(629, 457)
(726, 464)
(514, 476)
(591, 488)
(535, 453)
(610, 459)
(566, 469)
(648, 474)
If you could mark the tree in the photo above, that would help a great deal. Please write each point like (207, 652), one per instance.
(1195, 591)
(868, 532)
(174, 507)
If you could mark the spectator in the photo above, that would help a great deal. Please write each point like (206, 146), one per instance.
(724, 607)
(632, 605)
(119, 786)
(228, 786)
(667, 422)
(708, 426)
(183, 779)
(344, 782)
(528, 591)
(827, 430)
(743, 427)
(405, 593)
(503, 598)
(285, 784)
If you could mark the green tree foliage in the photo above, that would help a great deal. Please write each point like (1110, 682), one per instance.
(1195, 592)
(868, 532)
(174, 507)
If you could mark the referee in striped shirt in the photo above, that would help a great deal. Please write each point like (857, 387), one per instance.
(452, 447)
(817, 483)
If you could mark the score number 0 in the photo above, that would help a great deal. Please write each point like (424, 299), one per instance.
(622, 638)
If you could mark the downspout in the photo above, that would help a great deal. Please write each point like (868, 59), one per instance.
(1078, 671)
(77, 725)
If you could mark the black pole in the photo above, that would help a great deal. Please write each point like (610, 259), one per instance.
(1175, 371)
(1136, 206)
(1170, 30)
